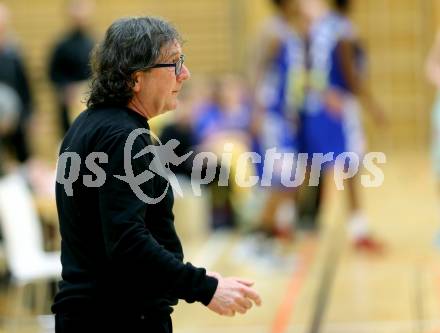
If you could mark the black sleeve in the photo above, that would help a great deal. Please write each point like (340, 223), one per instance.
(130, 245)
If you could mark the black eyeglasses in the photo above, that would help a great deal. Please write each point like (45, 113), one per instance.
(177, 65)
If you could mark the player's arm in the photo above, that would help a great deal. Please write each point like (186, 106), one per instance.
(357, 86)
(432, 66)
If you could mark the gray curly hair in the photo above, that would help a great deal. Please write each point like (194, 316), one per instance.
(130, 44)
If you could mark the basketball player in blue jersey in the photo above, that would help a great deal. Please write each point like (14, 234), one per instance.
(277, 78)
(330, 119)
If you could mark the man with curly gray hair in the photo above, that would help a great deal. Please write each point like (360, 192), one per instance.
(123, 268)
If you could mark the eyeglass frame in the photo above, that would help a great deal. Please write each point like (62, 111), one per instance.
(177, 65)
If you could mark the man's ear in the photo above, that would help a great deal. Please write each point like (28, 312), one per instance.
(137, 77)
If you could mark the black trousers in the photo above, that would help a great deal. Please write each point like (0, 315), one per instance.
(82, 323)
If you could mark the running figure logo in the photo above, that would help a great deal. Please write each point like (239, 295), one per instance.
(164, 155)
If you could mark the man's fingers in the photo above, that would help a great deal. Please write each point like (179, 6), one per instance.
(246, 282)
(233, 295)
(236, 306)
(230, 313)
(253, 295)
(245, 303)
(240, 309)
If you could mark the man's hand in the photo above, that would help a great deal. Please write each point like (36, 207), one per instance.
(232, 295)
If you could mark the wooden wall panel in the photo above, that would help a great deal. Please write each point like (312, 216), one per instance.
(209, 28)
(397, 34)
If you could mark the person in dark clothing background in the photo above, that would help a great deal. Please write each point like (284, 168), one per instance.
(123, 268)
(69, 63)
(13, 74)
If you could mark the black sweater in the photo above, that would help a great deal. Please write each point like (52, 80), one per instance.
(120, 254)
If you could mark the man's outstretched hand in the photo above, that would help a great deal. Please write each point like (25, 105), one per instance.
(232, 295)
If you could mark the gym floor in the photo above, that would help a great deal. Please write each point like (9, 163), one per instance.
(323, 285)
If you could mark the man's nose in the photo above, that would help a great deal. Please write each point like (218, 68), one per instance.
(184, 74)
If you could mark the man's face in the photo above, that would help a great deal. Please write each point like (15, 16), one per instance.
(80, 12)
(160, 86)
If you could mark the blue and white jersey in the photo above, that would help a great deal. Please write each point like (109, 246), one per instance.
(282, 88)
(322, 130)
(281, 92)
(324, 37)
